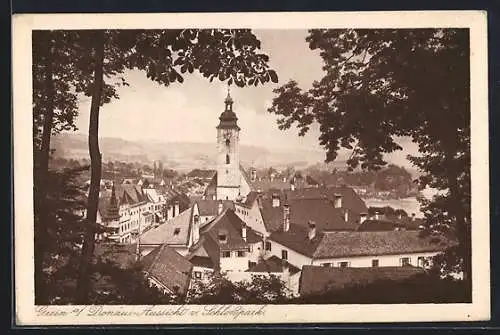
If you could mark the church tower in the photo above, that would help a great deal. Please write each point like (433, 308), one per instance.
(228, 154)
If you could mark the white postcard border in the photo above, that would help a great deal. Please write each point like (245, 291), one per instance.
(28, 314)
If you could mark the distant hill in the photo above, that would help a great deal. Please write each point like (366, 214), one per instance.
(180, 155)
(187, 155)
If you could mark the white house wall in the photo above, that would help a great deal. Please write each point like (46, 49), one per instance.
(384, 260)
(300, 260)
(252, 217)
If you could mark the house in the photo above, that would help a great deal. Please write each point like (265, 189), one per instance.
(306, 246)
(179, 233)
(226, 245)
(279, 268)
(168, 270)
(209, 208)
(203, 175)
(315, 280)
(158, 202)
(331, 209)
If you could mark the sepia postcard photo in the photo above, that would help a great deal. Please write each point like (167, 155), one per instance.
(250, 168)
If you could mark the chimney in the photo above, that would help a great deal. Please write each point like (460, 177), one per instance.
(346, 216)
(362, 217)
(244, 232)
(377, 215)
(276, 200)
(220, 207)
(312, 230)
(286, 217)
(176, 208)
(413, 216)
(338, 200)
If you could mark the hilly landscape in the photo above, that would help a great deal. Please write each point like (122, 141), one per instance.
(181, 155)
(185, 156)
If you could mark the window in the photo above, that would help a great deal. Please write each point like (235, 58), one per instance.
(421, 261)
(227, 159)
(177, 231)
(343, 264)
(284, 254)
(405, 261)
(268, 246)
(197, 274)
(326, 265)
(374, 263)
(251, 264)
(240, 253)
(228, 142)
(226, 254)
(222, 237)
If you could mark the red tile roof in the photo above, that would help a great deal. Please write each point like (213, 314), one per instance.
(169, 268)
(318, 279)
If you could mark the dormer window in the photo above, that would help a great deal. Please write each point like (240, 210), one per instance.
(222, 238)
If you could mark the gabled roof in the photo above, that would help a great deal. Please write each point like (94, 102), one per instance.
(348, 244)
(173, 232)
(350, 199)
(305, 209)
(230, 225)
(169, 268)
(131, 194)
(318, 279)
(340, 244)
(209, 207)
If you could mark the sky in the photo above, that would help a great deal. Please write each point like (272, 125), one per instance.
(189, 112)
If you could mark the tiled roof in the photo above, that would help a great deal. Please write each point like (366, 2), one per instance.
(388, 224)
(337, 244)
(274, 265)
(209, 207)
(229, 224)
(343, 244)
(205, 262)
(173, 232)
(131, 194)
(305, 209)
(317, 279)
(350, 199)
(169, 268)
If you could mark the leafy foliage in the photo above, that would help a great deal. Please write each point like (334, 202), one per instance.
(218, 289)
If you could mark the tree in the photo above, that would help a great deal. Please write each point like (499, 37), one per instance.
(382, 84)
(218, 289)
(226, 55)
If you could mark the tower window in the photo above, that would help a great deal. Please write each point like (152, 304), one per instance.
(228, 142)
(227, 159)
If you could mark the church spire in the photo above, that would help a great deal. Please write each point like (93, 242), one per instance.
(228, 119)
(229, 101)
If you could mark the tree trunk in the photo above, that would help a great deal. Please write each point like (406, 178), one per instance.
(41, 174)
(95, 168)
